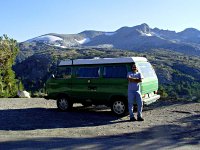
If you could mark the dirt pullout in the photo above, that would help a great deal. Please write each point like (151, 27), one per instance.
(37, 124)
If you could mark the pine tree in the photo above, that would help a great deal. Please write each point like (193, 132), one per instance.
(8, 52)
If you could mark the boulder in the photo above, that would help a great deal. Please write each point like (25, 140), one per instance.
(23, 94)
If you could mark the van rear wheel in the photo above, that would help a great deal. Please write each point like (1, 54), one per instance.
(119, 107)
(64, 104)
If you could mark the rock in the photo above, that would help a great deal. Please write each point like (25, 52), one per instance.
(23, 94)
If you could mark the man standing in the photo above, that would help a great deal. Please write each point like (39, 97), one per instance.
(134, 79)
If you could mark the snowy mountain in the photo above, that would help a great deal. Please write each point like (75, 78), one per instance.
(138, 38)
(46, 38)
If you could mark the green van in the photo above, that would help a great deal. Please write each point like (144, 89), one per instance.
(100, 81)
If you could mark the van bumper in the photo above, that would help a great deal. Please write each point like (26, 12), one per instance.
(150, 100)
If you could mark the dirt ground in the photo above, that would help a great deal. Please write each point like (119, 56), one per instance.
(37, 124)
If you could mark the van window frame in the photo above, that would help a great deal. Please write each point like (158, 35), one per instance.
(112, 65)
(64, 78)
(150, 67)
(87, 66)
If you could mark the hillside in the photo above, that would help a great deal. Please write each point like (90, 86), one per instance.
(178, 74)
(175, 55)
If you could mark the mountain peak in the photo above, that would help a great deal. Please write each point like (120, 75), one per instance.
(190, 33)
(46, 38)
(143, 25)
(190, 30)
(143, 28)
(91, 33)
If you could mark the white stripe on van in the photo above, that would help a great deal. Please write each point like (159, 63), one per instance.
(102, 61)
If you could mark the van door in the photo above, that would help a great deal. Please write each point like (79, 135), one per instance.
(82, 88)
(113, 82)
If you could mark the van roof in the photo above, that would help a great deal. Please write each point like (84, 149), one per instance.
(101, 61)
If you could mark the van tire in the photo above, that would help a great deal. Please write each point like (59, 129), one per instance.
(119, 107)
(64, 103)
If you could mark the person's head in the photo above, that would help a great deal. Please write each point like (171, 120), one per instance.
(134, 68)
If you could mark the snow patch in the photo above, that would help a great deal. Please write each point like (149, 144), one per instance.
(110, 33)
(83, 41)
(61, 46)
(46, 38)
(146, 34)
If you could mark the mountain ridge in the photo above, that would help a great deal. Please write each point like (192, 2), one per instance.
(136, 38)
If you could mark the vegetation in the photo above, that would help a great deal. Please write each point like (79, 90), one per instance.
(178, 74)
(8, 52)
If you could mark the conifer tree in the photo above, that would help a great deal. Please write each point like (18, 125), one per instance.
(8, 53)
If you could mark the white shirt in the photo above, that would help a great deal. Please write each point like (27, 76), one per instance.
(133, 86)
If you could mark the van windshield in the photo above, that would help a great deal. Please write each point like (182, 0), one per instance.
(147, 70)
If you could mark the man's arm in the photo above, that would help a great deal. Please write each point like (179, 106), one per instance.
(137, 80)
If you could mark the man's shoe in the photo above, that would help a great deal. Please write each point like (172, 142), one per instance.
(140, 119)
(132, 119)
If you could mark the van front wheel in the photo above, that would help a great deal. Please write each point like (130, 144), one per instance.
(119, 107)
(64, 104)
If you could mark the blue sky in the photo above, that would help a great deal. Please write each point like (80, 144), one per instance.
(25, 19)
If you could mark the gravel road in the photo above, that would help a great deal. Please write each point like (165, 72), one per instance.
(36, 124)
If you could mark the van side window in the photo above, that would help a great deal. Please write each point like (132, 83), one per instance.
(147, 70)
(115, 71)
(63, 73)
(88, 72)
